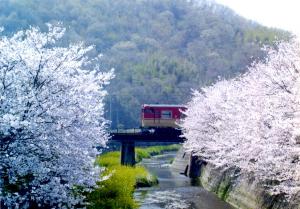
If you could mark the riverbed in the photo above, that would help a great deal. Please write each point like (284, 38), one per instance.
(174, 191)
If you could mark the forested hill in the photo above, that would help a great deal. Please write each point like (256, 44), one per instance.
(159, 49)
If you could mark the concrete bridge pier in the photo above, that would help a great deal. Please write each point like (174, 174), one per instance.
(127, 153)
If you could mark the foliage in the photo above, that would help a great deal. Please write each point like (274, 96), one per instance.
(108, 159)
(160, 49)
(147, 152)
(51, 118)
(117, 190)
(253, 121)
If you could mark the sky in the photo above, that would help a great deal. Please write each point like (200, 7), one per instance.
(284, 14)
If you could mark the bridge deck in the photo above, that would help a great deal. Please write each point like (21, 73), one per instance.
(148, 135)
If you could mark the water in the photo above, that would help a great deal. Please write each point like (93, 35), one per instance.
(174, 191)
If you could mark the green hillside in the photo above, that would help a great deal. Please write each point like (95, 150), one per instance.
(160, 49)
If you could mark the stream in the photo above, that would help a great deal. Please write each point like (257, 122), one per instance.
(174, 191)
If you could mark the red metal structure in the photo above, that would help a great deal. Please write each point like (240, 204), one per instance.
(161, 115)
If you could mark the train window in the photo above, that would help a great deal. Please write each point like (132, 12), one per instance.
(182, 115)
(166, 114)
(148, 111)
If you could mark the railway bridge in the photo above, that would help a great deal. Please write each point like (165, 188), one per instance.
(129, 137)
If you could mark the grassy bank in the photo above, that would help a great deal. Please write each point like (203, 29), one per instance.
(117, 191)
(147, 152)
(111, 161)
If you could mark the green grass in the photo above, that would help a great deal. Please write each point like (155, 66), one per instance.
(108, 159)
(147, 152)
(117, 191)
(111, 161)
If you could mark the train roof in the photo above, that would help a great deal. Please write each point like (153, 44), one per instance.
(162, 105)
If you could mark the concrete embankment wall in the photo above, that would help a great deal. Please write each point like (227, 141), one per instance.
(243, 192)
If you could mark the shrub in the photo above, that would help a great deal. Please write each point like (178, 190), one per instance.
(117, 190)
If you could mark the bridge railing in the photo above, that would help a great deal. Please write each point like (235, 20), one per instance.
(127, 131)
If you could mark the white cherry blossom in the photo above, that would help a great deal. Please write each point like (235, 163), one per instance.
(252, 122)
(51, 119)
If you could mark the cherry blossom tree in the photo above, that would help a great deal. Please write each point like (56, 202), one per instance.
(252, 122)
(51, 119)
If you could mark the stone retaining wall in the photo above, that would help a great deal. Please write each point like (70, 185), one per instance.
(243, 192)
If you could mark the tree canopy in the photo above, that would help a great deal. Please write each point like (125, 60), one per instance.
(51, 119)
(252, 122)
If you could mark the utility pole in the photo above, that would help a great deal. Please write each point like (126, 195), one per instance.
(110, 113)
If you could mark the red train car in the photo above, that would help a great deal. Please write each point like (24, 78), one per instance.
(161, 115)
